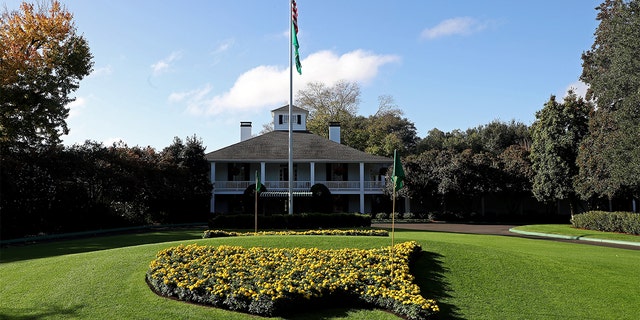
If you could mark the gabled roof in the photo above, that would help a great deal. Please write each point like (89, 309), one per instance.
(274, 147)
(294, 109)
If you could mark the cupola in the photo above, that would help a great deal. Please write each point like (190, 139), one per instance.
(281, 118)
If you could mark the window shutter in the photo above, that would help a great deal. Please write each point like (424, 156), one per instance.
(299, 119)
(280, 119)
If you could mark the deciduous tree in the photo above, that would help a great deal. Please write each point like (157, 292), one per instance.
(339, 102)
(387, 130)
(42, 60)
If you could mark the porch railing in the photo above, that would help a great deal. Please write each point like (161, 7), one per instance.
(334, 186)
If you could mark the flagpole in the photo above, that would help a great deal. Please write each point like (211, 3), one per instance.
(393, 223)
(290, 164)
(397, 176)
(393, 216)
(258, 186)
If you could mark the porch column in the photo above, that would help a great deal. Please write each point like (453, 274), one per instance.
(407, 205)
(212, 177)
(361, 187)
(312, 174)
(263, 173)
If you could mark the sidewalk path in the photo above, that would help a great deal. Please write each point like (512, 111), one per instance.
(492, 229)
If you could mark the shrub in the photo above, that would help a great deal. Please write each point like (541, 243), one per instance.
(296, 221)
(622, 222)
(408, 215)
(268, 281)
(221, 233)
(381, 215)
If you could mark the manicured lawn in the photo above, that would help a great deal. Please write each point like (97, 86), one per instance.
(472, 276)
(569, 230)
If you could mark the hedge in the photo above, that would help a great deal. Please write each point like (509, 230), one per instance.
(296, 221)
(325, 232)
(622, 222)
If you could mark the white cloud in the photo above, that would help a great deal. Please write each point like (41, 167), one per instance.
(266, 86)
(115, 140)
(454, 26)
(163, 65)
(578, 87)
(102, 71)
(75, 107)
(224, 46)
(194, 99)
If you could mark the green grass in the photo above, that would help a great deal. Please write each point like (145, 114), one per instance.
(472, 276)
(569, 230)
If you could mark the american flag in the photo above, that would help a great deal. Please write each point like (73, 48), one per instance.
(294, 15)
(294, 35)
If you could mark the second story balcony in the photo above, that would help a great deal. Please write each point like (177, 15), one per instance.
(336, 187)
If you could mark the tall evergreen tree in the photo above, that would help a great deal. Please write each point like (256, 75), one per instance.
(610, 156)
(557, 132)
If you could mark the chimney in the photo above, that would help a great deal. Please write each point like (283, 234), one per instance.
(245, 130)
(334, 131)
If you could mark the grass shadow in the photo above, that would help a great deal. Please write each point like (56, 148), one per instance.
(431, 277)
(44, 312)
(64, 247)
(323, 314)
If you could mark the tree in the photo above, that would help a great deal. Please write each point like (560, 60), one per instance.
(42, 61)
(421, 183)
(610, 156)
(494, 137)
(378, 134)
(434, 140)
(515, 175)
(557, 132)
(498, 136)
(387, 130)
(612, 67)
(515, 164)
(186, 173)
(336, 103)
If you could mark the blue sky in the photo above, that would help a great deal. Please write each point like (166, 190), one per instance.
(178, 68)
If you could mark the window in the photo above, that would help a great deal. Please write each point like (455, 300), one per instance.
(282, 119)
(284, 173)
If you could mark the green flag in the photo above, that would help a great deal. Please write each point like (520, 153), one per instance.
(294, 34)
(398, 173)
(258, 184)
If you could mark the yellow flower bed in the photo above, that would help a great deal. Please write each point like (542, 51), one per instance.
(266, 281)
(222, 233)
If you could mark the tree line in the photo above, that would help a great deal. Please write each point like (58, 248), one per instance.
(92, 186)
(46, 187)
(581, 150)
(578, 150)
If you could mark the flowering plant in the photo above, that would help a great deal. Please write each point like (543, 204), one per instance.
(222, 233)
(265, 281)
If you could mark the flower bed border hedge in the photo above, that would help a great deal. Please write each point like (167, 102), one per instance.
(621, 222)
(269, 281)
(369, 233)
(295, 221)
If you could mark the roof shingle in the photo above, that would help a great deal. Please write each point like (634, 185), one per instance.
(274, 147)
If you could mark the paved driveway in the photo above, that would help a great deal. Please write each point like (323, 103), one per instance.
(496, 229)
(492, 229)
